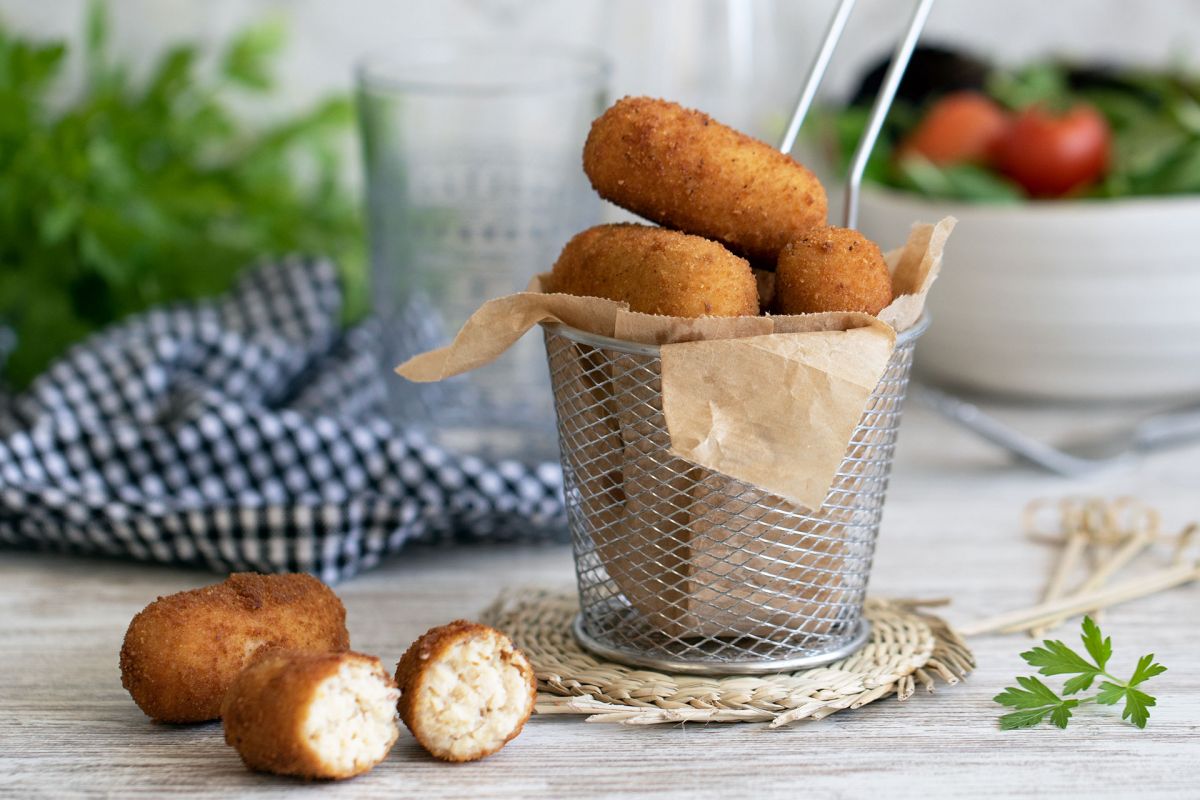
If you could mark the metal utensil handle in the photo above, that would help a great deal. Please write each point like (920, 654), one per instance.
(883, 101)
(816, 73)
(1026, 447)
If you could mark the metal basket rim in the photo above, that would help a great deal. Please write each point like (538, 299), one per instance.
(741, 666)
(903, 338)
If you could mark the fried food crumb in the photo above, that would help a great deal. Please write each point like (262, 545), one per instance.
(685, 171)
(466, 691)
(656, 271)
(182, 651)
(832, 269)
(312, 715)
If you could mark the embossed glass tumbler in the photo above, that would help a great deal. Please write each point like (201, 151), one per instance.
(474, 184)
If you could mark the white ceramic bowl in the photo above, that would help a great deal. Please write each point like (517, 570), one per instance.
(1063, 300)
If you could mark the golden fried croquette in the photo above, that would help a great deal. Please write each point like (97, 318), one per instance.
(465, 690)
(832, 269)
(181, 652)
(684, 170)
(656, 271)
(312, 715)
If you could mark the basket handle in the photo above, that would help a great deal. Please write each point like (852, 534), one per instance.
(883, 101)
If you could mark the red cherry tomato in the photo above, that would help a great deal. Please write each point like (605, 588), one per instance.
(963, 126)
(1050, 154)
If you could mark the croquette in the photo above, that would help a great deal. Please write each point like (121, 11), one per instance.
(183, 651)
(465, 690)
(312, 715)
(656, 271)
(832, 269)
(684, 170)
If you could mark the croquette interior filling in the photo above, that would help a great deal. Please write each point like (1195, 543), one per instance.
(351, 722)
(471, 698)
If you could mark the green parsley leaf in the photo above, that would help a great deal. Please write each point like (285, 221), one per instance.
(95, 39)
(1062, 713)
(1035, 700)
(1146, 669)
(1055, 658)
(1033, 695)
(1110, 694)
(247, 59)
(1098, 647)
(1080, 683)
(1137, 707)
(1023, 719)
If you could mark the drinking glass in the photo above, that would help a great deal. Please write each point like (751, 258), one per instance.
(474, 183)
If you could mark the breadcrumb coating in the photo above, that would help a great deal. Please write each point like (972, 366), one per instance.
(683, 170)
(182, 651)
(312, 715)
(466, 691)
(656, 271)
(832, 269)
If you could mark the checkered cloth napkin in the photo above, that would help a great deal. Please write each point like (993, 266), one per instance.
(245, 433)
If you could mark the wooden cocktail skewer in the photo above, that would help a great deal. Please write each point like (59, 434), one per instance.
(1097, 579)
(1102, 522)
(1135, 545)
(1046, 612)
(1068, 560)
(1101, 525)
(1186, 537)
(1088, 525)
(1075, 533)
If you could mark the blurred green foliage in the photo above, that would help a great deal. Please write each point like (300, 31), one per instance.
(139, 192)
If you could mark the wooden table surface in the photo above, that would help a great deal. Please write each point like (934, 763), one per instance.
(67, 728)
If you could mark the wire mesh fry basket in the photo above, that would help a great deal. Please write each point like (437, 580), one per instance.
(684, 569)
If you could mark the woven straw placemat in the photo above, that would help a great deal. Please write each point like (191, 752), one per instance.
(908, 647)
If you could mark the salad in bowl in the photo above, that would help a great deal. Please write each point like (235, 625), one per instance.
(1075, 274)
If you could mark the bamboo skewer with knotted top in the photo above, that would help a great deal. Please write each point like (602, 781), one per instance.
(1094, 523)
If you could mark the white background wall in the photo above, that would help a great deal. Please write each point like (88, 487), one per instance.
(683, 49)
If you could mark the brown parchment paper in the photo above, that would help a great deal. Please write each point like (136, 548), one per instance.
(820, 368)
(810, 389)
(915, 267)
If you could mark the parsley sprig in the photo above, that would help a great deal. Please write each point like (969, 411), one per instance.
(1034, 700)
(136, 188)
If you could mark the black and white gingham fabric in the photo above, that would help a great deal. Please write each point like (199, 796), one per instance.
(245, 433)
